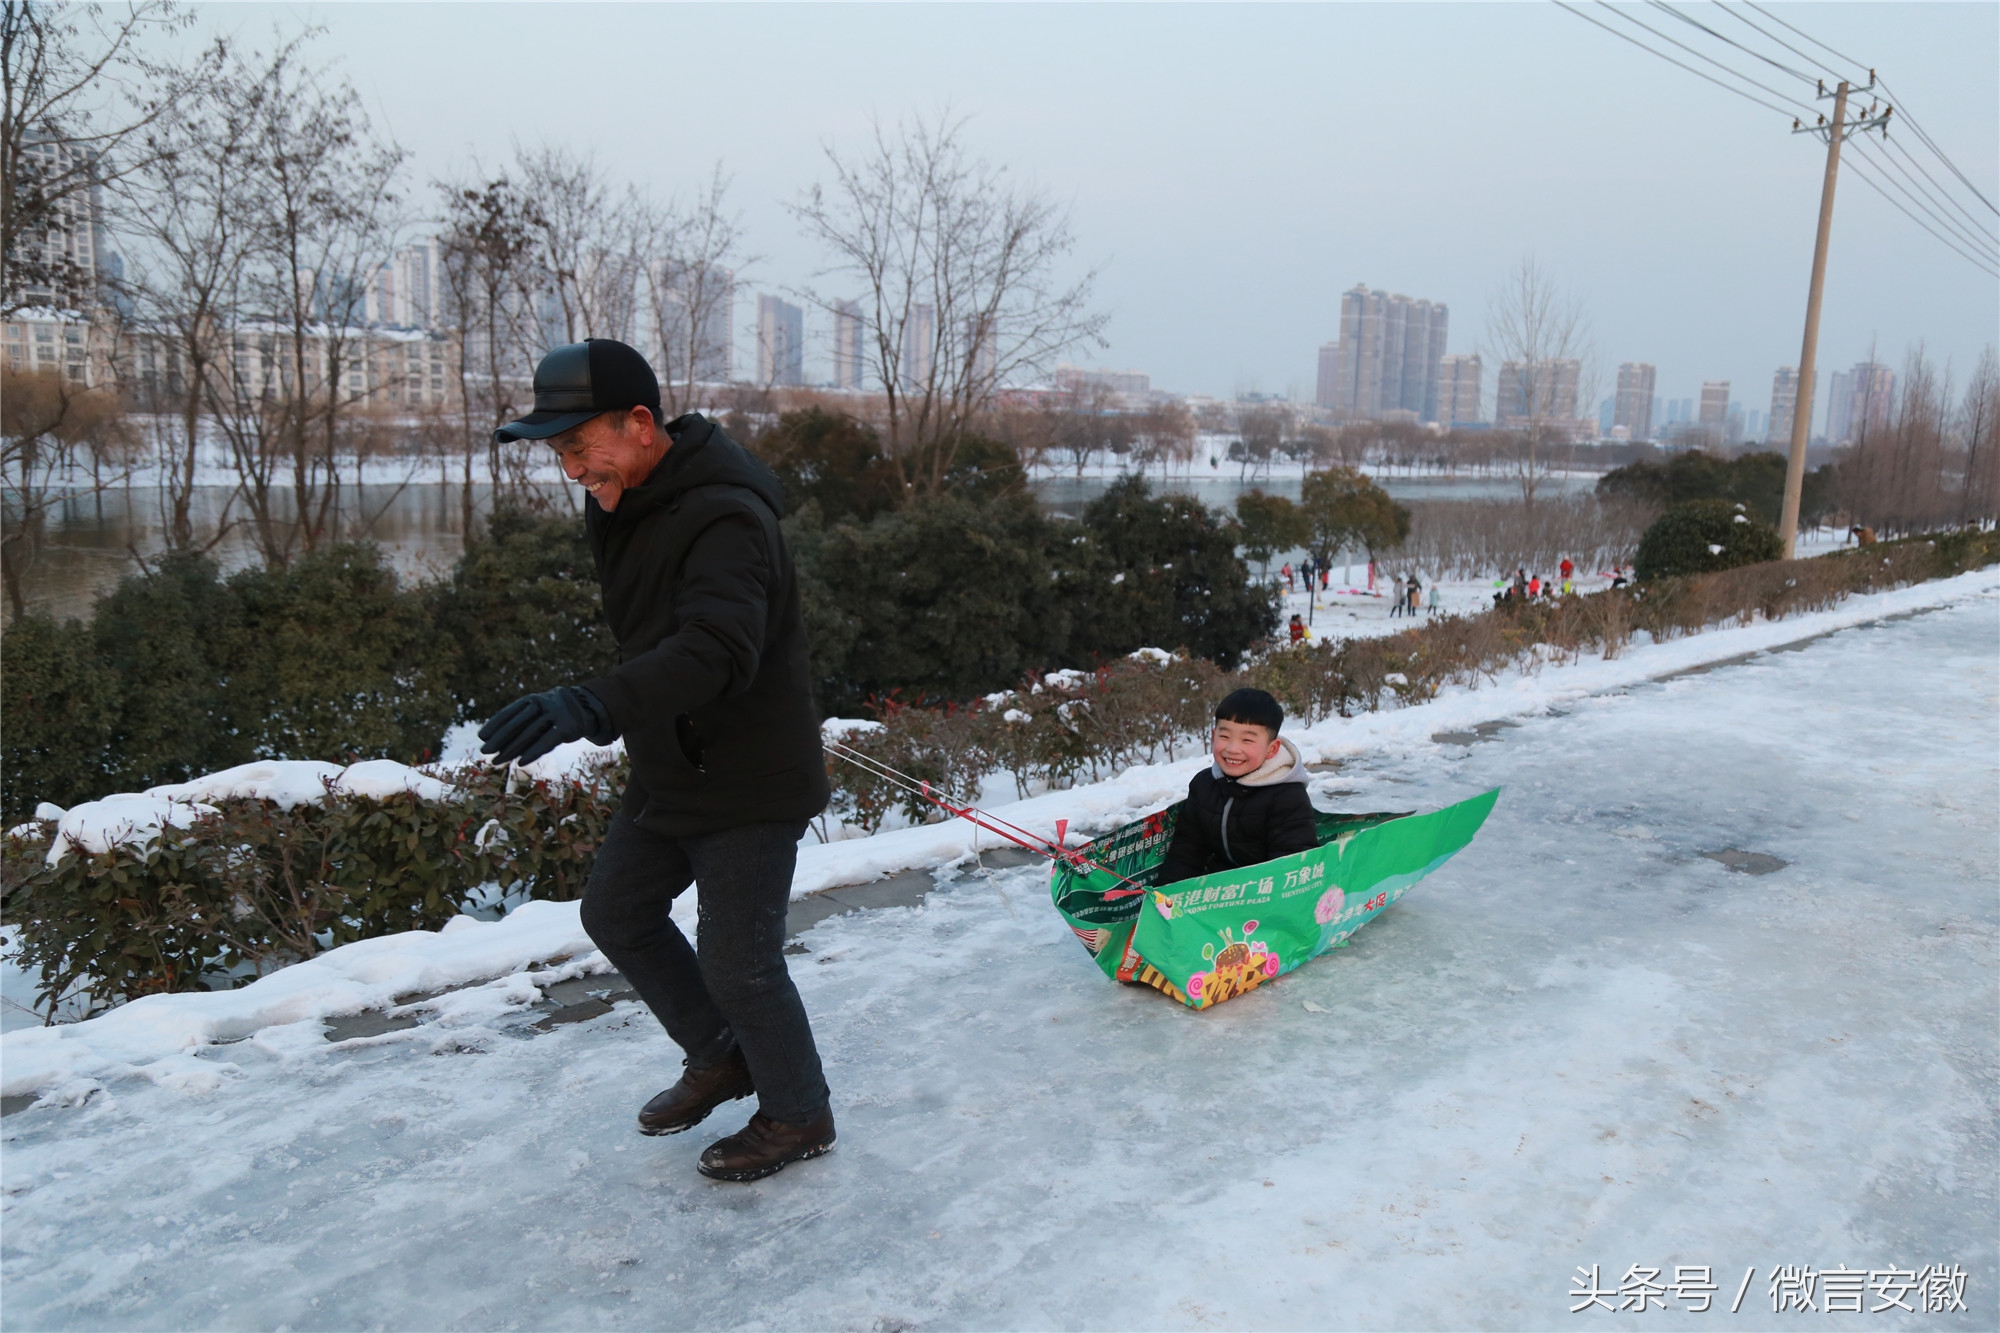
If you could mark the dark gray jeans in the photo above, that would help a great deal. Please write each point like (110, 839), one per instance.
(737, 991)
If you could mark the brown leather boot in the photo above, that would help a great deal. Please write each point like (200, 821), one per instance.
(688, 1102)
(766, 1146)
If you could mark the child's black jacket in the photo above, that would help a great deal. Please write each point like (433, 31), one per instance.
(1225, 823)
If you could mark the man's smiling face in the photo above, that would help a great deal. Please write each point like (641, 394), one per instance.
(611, 453)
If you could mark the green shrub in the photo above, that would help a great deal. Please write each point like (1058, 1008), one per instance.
(1161, 572)
(832, 461)
(1755, 480)
(941, 599)
(61, 704)
(260, 885)
(331, 659)
(172, 634)
(523, 611)
(1704, 537)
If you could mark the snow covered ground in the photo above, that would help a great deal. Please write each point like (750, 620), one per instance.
(1584, 1042)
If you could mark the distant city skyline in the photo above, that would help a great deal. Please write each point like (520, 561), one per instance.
(1224, 248)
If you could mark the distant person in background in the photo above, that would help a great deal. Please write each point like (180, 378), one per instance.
(1617, 576)
(1402, 602)
(1298, 629)
(1567, 569)
(1289, 585)
(1435, 602)
(1569, 584)
(1415, 594)
(1325, 575)
(1534, 585)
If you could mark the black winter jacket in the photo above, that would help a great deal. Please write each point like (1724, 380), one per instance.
(1224, 824)
(712, 691)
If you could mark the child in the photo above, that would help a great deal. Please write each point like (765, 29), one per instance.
(1251, 804)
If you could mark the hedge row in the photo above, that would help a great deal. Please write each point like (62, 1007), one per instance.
(257, 885)
(1057, 729)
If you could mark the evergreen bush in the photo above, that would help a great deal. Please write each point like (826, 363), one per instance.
(61, 704)
(261, 885)
(523, 612)
(1705, 537)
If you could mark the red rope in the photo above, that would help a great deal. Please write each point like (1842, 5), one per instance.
(973, 815)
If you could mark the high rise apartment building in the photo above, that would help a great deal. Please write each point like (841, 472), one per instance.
(978, 351)
(1784, 402)
(408, 292)
(1460, 383)
(1387, 357)
(780, 342)
(1632, 407)
(1714, 407)
(919, 347)
(1544, 396)
(60, 264)
(850, 360)
(1858, 402)
(691, 329)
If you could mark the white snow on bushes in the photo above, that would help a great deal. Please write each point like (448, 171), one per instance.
(135, 819)
(124, 819)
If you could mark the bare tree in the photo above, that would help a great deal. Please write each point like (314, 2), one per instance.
(1978, 418)
(487, 246)
(83, 102)
(587, 235)
(322, 209)
(693, 256)
(1263, 431)
(47, 422)
(1164, 434)
(185, 214)
(960, 273)
(1538, 332)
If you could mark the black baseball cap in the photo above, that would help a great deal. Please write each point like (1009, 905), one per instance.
(578, 381)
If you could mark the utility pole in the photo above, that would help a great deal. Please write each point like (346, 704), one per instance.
(1802, 406)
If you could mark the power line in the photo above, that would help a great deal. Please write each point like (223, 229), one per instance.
(1958, 229)
(1910, 157)
(1931, 144)
(1806, 56)
(1625, 37)
(1976, 263)
(1901, 106)
(1814, 40)
(1667, 8)
(1783, 97)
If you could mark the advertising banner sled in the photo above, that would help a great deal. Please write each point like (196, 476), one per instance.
(1205, 940)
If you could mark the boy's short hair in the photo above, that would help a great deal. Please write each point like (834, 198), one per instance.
(1252, 707)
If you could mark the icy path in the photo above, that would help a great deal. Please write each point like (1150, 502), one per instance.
(1581, 1042)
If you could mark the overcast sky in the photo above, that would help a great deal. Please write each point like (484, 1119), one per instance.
(1234, 168)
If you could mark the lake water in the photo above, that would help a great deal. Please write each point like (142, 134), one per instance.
(89, 542)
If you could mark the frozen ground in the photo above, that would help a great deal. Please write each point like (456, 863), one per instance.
(1582, 1042)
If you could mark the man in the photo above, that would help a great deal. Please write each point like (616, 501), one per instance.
(711, 695)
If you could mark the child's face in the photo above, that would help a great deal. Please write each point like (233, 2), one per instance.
(1240, 747)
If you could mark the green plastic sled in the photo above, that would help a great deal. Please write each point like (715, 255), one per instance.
(1206, 940)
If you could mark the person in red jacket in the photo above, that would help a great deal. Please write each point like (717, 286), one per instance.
(1567, 569)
